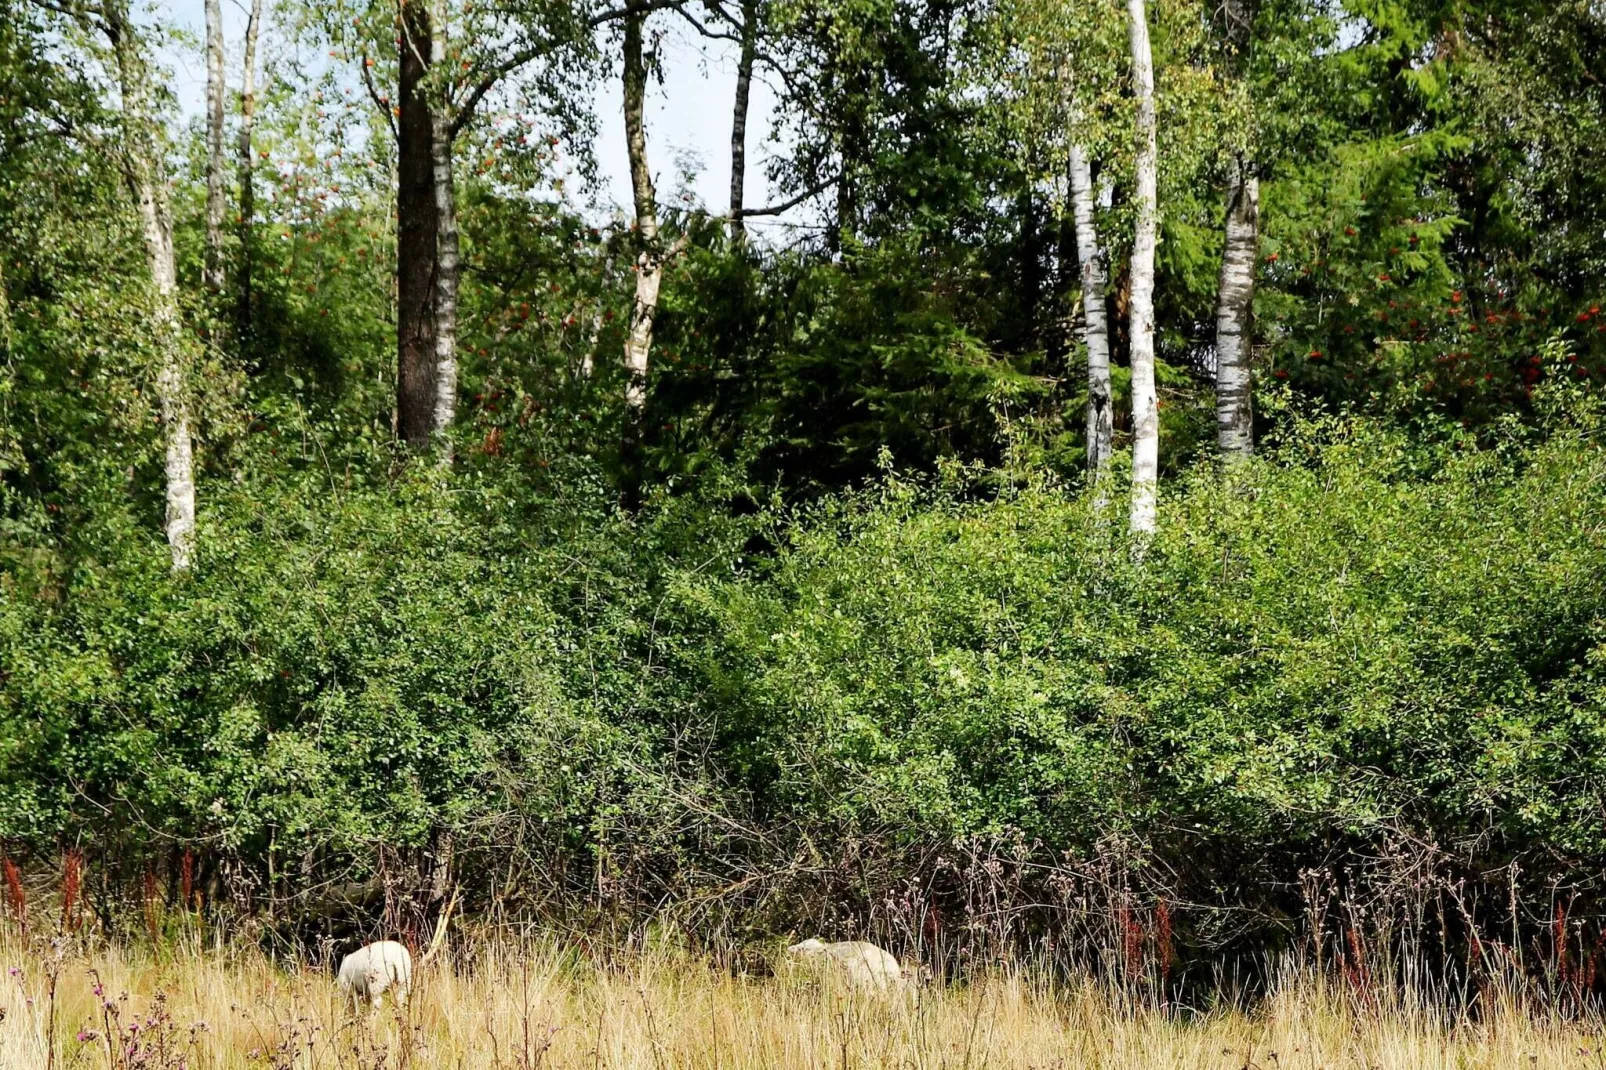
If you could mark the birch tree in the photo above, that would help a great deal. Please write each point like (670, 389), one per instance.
(1095, 316)
(144, 169)
(649, 256)
(212, 270)
(450, 58)
(444, 135)
(1236, 292)
(1234, 316)
(1145, 408)
(245, 165)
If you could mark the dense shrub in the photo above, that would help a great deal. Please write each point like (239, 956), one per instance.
(1350, 643)
(1348, 634)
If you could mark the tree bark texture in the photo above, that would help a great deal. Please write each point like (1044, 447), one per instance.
(649, 256)
(1095, 321)
(417, 219)
(447, 271)
(744, 85)
(1235, 318)
(145, 171)
(246, 165)
(1235, 432)
(213, 266)
(1145, 404)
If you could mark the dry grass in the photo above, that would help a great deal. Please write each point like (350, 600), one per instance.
(547, 1007)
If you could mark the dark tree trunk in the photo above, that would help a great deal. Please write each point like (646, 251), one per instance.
(1030, 251)
(744, 85)
(416, 234)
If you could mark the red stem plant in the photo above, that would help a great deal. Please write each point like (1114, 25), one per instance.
(16, 895)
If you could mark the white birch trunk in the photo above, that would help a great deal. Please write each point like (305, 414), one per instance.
(638, 343)
(213, 267)
(649, 259)
(146, 178)
(447, 268)
(1234, 318)
(1145, 407)
(1095, 317)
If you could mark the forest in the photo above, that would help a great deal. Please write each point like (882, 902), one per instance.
(1119, 483)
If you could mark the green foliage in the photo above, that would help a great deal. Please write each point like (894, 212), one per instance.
(1355, 635)
(866, 602)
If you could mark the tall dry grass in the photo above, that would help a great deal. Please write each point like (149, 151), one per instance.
(545, 1005)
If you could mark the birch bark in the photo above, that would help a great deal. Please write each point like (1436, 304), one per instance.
(212, 270)
(1145, 408)
(1235, 433)
(1234, 317)
(145, 172)
(649, 257)
(447, 271)
(1095, 322)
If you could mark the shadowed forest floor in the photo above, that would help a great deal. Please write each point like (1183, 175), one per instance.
(548, 1007)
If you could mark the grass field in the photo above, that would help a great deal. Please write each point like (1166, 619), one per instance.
(547, 1007)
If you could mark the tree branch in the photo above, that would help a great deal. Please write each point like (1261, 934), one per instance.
(373, 94)
(632, 9)
(485, 85)
(702, 27)
(89, 16)
(777, 209)
(466, 113)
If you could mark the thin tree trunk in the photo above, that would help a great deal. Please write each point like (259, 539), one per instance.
(1235, 432)
(847, 190)
(417, 224)
(1235, 317)
(1145, 408)
(213, 269)
(1030, 253)
(247, 166)
(649, 257)
(446, 265)
(1061, 341)
(588, 359)
(852, 141)
(1095, 322)
(744, 84)
(143, 162)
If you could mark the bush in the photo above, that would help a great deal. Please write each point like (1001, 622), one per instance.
(1350, 643)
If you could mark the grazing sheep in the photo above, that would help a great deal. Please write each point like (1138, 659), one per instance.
(369, 972)
(863, 964)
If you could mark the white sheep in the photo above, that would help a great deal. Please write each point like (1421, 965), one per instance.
(863, 964)
(369, 972)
